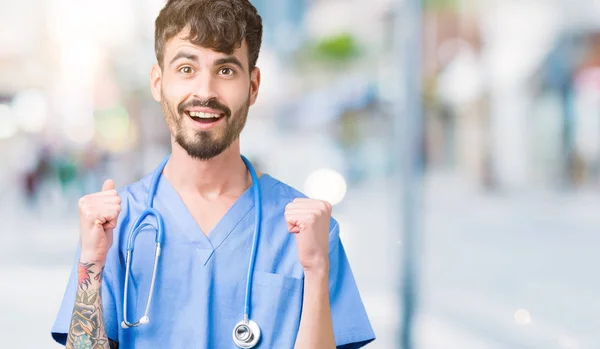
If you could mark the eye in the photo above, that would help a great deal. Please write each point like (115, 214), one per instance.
(226, 71)
(186, 69)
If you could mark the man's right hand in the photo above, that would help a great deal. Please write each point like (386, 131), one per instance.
(98, 215)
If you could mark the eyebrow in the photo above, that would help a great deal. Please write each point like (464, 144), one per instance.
(186, 55)
(194, 58)
(229, 60)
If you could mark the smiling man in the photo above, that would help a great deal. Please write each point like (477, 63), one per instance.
(245, 260)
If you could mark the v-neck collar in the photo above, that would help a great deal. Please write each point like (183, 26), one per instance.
(169, 200)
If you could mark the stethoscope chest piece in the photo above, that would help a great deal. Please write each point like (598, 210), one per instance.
(246, 334)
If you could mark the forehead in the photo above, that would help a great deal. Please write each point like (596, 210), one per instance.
(179, 43)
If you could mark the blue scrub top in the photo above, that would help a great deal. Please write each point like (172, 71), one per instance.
(201, 280)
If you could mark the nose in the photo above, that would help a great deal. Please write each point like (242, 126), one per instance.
(205, 88)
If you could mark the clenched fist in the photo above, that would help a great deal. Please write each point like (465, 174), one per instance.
(98, 215)
(309, 220)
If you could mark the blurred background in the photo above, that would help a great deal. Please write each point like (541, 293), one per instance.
(506, 174)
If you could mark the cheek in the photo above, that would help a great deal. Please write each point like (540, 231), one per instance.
(235, 96)
(174, 91)
(172, 100)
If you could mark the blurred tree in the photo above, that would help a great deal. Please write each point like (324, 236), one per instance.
(340, 47)
(440, 4)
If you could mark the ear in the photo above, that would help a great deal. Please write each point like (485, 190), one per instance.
(254, 84)
(155, 82)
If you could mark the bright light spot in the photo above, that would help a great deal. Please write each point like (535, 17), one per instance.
(326, 184)
(8, 126)
(522, 317)
(79, 63)
(113, 21)
(30, 111)
(80, 133)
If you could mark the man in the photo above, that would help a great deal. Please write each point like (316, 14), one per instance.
(303, 291)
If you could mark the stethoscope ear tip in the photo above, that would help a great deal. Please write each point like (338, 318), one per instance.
(144, 320)
(124, 325)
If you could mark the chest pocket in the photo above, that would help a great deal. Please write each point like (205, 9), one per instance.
(276, 307)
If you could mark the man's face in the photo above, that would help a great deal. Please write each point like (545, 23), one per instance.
(205, 95)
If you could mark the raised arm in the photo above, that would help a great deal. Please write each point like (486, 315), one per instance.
(98, 215)
(309, 219)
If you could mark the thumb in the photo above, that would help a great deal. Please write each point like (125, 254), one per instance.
(292, 227)
(108, 185)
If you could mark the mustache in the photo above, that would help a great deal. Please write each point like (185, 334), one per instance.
(212, 103)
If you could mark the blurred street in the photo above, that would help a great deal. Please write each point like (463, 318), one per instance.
(484, 258)
(511, 270)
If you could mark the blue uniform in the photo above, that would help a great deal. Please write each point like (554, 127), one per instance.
(201, 280)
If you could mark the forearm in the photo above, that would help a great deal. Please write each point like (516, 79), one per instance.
(87, 328)
(316, 327)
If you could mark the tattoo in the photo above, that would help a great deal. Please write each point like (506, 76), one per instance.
(84, 275)
(98, 276)
(87, 329)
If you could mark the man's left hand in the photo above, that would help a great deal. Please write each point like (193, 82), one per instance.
(309, 220)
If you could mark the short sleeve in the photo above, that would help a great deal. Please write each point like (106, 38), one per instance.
(351, 325)
(62, 323)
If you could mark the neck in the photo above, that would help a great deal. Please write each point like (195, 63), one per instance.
(223, 175)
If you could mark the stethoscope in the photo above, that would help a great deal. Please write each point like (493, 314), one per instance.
(246, 333)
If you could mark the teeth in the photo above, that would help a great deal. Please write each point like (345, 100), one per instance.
(197, 114)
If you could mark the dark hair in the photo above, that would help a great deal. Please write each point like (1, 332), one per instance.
(221, 25)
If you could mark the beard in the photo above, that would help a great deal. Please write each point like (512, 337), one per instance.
(205, 144)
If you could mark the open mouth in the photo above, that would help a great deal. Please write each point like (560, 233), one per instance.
(204, 118)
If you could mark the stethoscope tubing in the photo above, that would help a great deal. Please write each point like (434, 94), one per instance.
(150, 211)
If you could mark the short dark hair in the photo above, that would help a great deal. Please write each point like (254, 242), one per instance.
(221, 25)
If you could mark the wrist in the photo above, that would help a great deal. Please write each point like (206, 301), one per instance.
(318, 271)
(316, 281)
(86, 258)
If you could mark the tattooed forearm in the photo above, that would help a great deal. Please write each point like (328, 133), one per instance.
(86, 271)
(87, 329)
